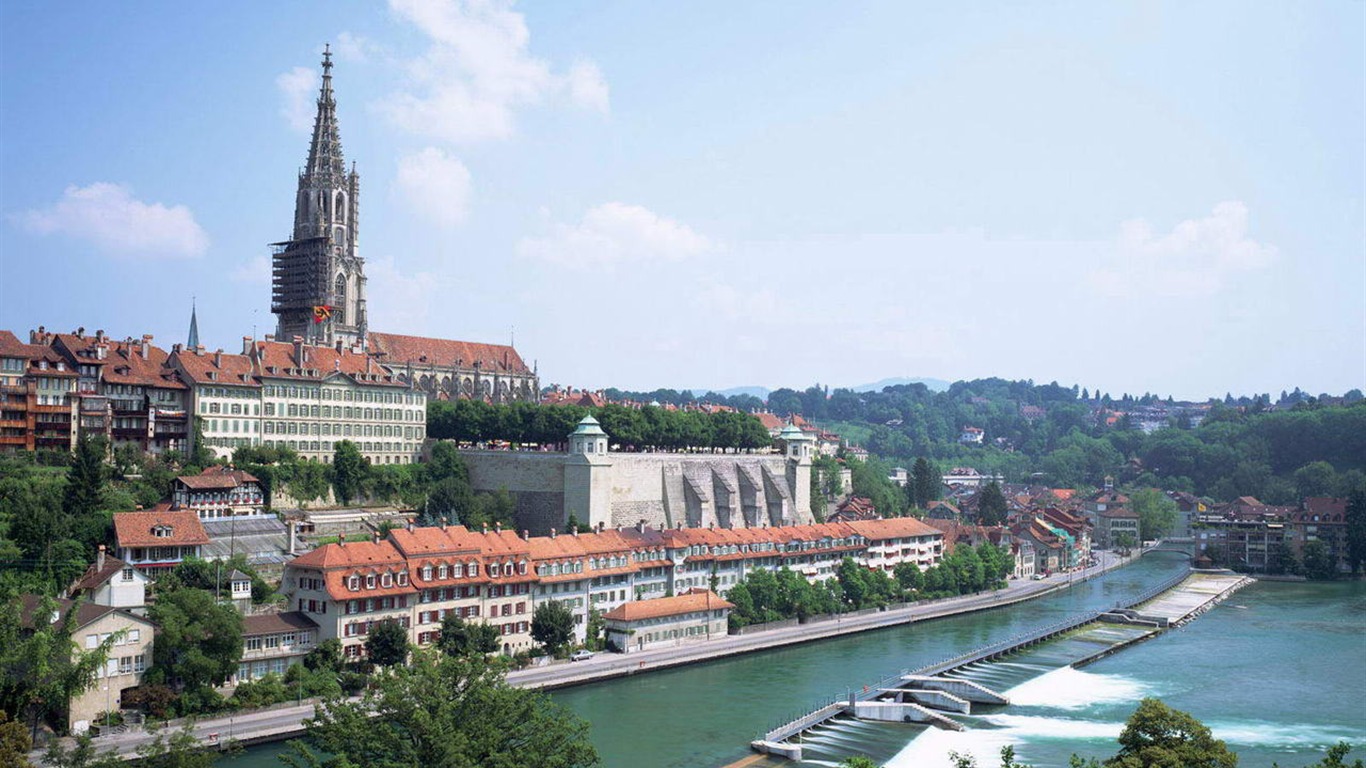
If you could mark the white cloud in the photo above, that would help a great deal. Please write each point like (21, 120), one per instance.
(1194, 259)
(616, 232)
(255, 271)
(587, 87)
(478, 71)
(297, 90)
(400, 296)
(108, 216)
(349, 47)
(435, 185)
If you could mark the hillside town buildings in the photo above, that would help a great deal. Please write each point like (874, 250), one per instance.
(416, 576)
(131, 639)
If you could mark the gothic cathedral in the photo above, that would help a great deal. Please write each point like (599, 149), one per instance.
(318, 278)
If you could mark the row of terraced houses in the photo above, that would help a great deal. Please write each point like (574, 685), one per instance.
(418, 575)
(60, 386)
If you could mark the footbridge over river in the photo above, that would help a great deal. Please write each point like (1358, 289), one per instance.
(930, 695)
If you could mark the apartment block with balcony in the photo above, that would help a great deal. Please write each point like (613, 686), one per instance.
(274, 642)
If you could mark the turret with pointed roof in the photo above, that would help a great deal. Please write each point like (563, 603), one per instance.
(319, 279)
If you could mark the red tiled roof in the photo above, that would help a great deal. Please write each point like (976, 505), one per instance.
(213, 368)
(277, 359)
(770, 421)
(10, 346)
(688, 602)
(134, 529)
(892, 528)
(217, 477)
(126, 365)
(422, 351)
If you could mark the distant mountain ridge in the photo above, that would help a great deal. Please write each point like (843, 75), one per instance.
(935, 385)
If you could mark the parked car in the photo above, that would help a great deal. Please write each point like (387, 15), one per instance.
(583, 655)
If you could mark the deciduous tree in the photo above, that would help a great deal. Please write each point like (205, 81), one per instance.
(552, 625)
(461, 638)
(1156, 513)
(1356, 529)
(349, 469)
(387, 644)
(199, 643)
(446, 711)
(1157, 736)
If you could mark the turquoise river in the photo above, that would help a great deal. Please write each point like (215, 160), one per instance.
(1277, 671)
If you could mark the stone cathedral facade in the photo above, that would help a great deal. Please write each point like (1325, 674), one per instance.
(318, 286)
(318, 277)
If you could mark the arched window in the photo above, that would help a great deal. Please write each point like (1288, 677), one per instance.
(339, 288)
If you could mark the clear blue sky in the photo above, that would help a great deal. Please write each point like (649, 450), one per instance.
(1132, 197)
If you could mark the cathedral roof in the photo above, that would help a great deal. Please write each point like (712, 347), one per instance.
(421, 351)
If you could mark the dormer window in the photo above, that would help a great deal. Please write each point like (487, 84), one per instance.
(353, 583)
(402, 578)
(493, 569)
(441, 572)
(370, 581)
(162, 531)
(426, 573)
(386, 581)
(458, 570)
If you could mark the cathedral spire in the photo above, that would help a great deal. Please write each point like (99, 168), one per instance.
(318, 291)
(325, 151)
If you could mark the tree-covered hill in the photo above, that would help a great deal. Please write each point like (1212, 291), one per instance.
(1065, 437)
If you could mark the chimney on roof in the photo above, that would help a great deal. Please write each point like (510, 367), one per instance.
(601, 526)
(640, 526)
(341, 540)
(484, 528)
(293, 535)
(99, 559)
(411, 525)
(552, 533)
(574, 531)
(339, 345)
(270, 337)
(374, 536)
(526, 534)
(246, 345)
(497, 526)
(299, 350)
(444, 522)
(146, 345)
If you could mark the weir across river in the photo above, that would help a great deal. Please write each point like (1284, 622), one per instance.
(930, 695)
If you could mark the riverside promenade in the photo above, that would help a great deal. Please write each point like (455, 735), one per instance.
(286, 720)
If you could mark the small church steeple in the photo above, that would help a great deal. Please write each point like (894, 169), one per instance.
(193, 340)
